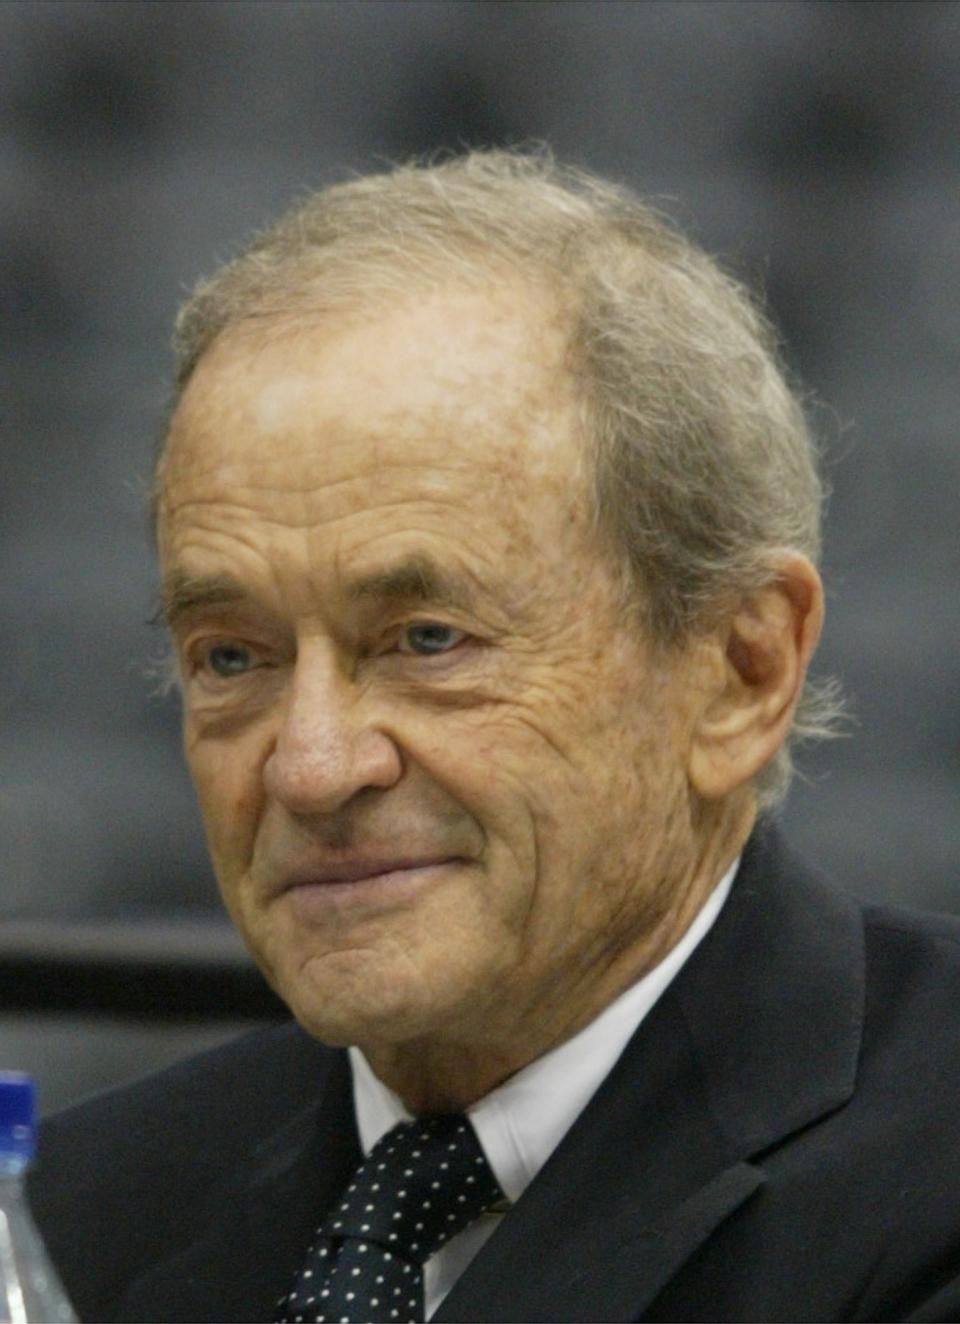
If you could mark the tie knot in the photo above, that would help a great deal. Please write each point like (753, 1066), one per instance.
(422, 1182)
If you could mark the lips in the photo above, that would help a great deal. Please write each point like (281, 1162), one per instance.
(359, 870)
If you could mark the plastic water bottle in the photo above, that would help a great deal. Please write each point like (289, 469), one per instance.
(30, 1291)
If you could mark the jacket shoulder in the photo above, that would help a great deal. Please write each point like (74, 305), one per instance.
(126, 1178)
(915, 927)
(912, 996)
(228, 1095)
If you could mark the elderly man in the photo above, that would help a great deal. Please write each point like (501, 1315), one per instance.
(488, 530)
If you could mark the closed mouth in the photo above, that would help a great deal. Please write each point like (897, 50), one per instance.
(361, 870)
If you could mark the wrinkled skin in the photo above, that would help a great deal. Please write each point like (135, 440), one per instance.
(508, 733)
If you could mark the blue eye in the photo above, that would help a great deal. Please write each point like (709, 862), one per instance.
(426, 638)
(227, 660)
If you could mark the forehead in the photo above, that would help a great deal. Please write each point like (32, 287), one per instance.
(462, 388)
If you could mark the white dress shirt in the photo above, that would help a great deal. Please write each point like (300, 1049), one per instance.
(522, 1121)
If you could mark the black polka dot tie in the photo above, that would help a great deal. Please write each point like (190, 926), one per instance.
(421, 1184)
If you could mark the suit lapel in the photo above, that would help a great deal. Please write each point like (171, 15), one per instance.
(773, 1000)
(264, 1217)
(758, 1036)
(636, 1184)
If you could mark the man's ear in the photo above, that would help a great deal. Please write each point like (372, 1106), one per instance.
(760, 662)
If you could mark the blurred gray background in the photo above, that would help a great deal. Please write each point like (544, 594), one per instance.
(814, 146)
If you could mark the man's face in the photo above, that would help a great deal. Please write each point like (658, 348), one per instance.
(443, 782)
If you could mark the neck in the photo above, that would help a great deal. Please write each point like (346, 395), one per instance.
(448, 1074)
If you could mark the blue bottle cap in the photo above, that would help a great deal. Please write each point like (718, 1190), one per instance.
(18, 1115)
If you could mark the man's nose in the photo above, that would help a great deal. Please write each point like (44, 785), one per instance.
(328, 747)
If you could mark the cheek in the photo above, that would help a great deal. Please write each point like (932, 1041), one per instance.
(229, 793)
(603, 808)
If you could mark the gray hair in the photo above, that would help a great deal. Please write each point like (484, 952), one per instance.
(704, 468)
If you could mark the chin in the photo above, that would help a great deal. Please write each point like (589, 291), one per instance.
(345, 999)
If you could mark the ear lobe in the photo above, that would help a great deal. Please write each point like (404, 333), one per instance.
(766, 649)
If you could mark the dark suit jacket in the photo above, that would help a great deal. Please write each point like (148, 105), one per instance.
(779, 1141)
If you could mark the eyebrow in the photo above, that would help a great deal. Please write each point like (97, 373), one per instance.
(417, 578)
(180, 592)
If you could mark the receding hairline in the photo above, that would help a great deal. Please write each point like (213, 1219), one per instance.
(515, 209)
(305, 292)
(311, 314)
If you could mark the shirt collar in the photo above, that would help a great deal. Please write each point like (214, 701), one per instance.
(522, 1121)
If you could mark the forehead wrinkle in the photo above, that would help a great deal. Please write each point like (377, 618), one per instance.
(430, 480)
